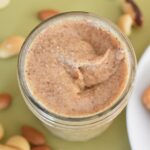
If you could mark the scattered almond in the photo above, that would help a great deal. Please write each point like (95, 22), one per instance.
(45, 14)
(131, 8)
(1, 131)
(4, 3)
(6, 147)
(18, 142)
(5, 100)
(43, 147)
(33, 136)
(125, 23)
(11, 46)
(146, 98)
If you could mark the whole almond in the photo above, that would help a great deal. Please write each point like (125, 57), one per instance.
(32, 135)
(6, 147)
(45, 14)
(43, 147)
(1, 131)
(11, 46)
(5, 100)
(19, 142)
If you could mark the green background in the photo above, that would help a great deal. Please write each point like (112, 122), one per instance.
(19, 18)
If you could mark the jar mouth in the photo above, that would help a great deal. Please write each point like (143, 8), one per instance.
(43, 111)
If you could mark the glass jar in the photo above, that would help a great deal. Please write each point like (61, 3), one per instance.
(77, 128)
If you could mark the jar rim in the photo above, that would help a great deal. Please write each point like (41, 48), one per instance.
(49, 115)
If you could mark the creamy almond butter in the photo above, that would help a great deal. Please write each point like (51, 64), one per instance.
(74, 68)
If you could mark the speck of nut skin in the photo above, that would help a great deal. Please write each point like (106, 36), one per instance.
(146, 98)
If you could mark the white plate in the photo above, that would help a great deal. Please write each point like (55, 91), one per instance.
(138, 118)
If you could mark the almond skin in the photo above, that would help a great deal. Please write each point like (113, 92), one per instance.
(32, 135)
(45, 14)
(5, 100)
(43, 147)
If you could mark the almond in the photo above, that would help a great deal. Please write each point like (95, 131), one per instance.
(18, 142)
(5, 147)
(11, 46)
(4, 3)
(1, 131)
(32, 135)
(5, 100)
(45, 14)
(43, 147)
